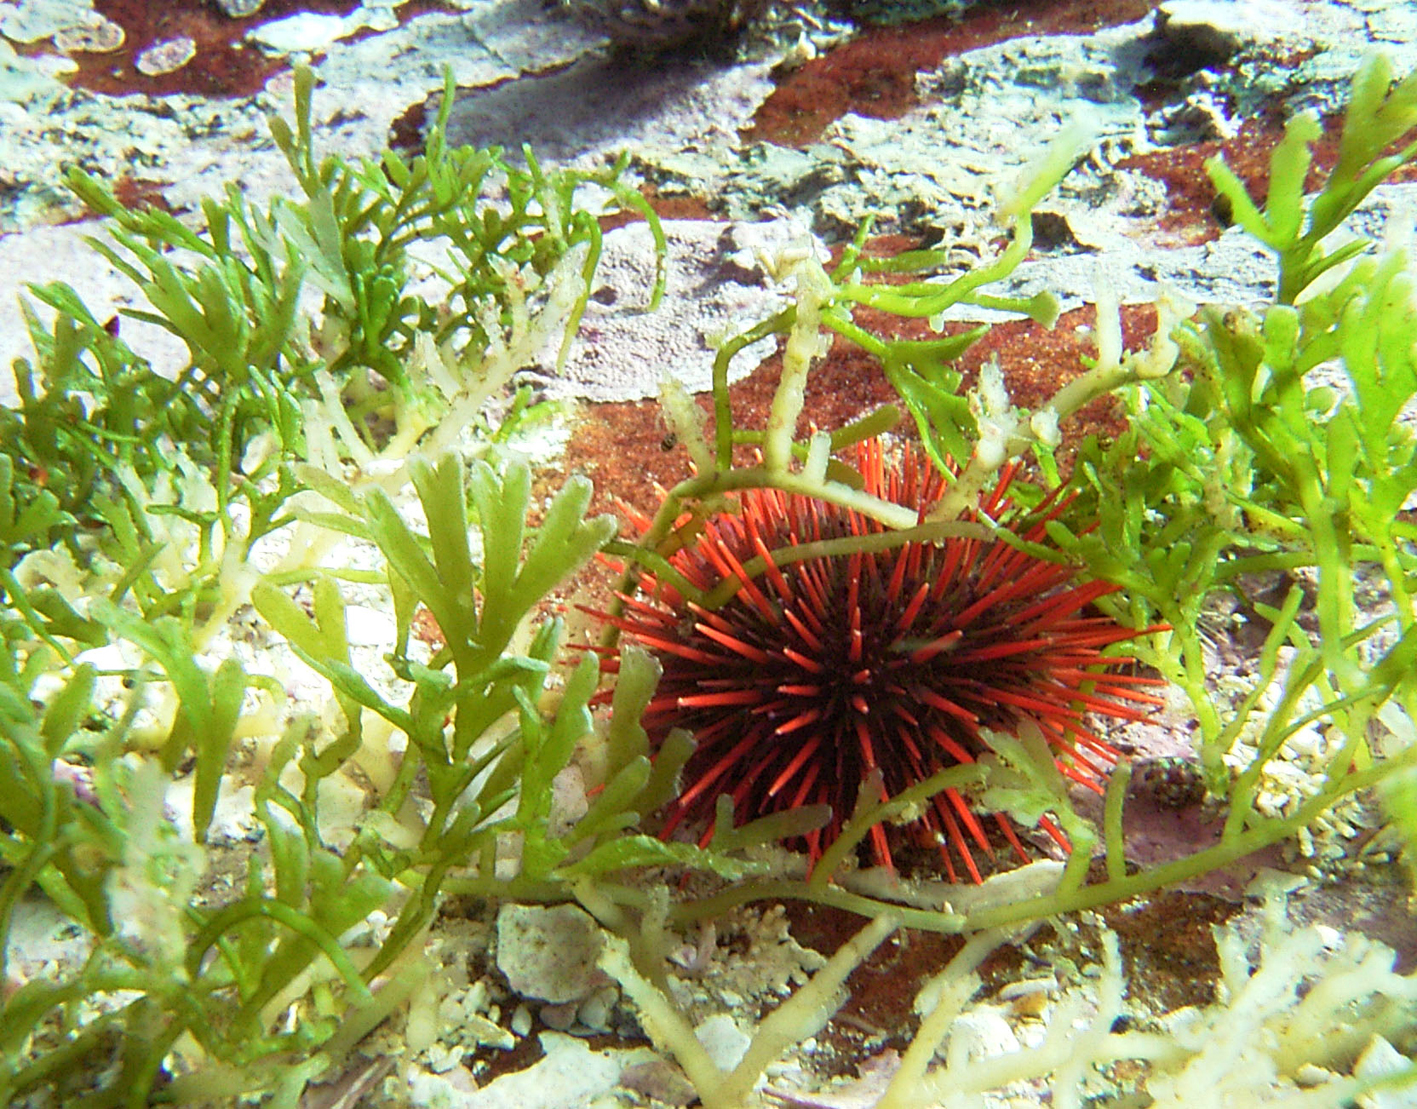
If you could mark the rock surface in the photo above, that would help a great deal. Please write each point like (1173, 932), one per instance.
(549, 953)
(526, 75)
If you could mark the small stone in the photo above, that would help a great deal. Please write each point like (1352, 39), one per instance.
(1030, 1005)
(1311, 1075)
(488, 1034)
(1380, 1060)
(595, 1010)
(659, 1080)
(1200, 33)
(309, 32)
(1029, 998)
(34, 21)
(549, 953)
(724, 1041)
(79, 778)
(165, 57)
(983, 1033)
(568, 801)
(1332, 938)
(240, 9)
(1306, 741)
(521, 1019)
(561, 1017)
(443, 1057)
(102, 37)
(1028, 987)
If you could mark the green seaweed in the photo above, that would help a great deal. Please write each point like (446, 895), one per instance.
(132, 508)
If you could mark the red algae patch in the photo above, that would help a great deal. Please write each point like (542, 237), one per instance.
(627, 448)
(138, 192)
(1191, 216)
(879, 1010)
(1170, 946)
(673, 207)
(874, 74)
(221, 65)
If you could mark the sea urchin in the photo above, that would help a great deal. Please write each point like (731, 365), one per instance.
(824, 668)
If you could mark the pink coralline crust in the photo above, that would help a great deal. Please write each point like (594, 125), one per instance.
(223, 66)
(874, 74)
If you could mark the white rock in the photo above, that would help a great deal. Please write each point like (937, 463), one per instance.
(595, 1010)
(367, 627)
(549, 953)
(1220, 27)
(724, 1041)
(568, 1076)
(1380, 1059)
(621, 352)
(309, 31)
(561, 1017)
(981, 1033)
(35, 20)
(568, 800)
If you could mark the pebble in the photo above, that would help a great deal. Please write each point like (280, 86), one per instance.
(1029, 998)
(724, 1041)
(488, 1034)
(983, 1033)
(1027, 988)
(1381, 1060)
(560, 1016)
(1216, 29)
(1310, 1075)
(165, 57)
(102, 37)
(595, 1010)
(240, 9)
(660, 1080)
(549, 953)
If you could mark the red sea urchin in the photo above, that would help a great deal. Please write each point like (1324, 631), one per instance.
(825, 668)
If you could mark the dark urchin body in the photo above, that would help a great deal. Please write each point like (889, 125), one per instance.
(822, 669)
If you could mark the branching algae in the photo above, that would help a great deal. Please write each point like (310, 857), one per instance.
(140, 515)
